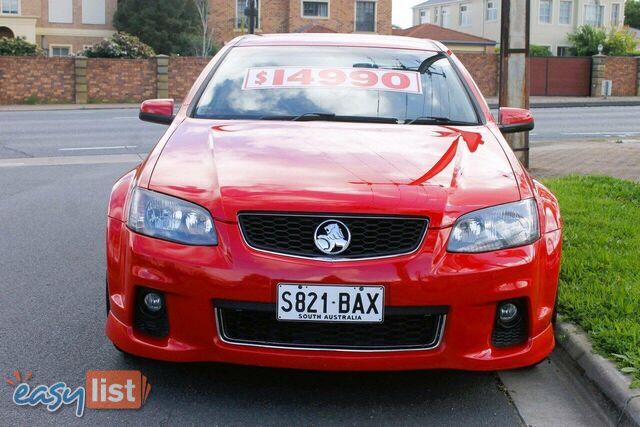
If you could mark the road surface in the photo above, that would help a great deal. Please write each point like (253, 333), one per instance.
(89, 132)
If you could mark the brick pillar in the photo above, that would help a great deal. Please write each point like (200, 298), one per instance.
(81, 79)
(162, 76)
(638, 76)
(597, 74)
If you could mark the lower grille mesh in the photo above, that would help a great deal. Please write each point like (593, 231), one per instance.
(398, 331)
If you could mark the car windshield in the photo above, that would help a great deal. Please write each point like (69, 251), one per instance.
(336, 83)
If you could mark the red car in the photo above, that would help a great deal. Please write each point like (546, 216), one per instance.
(338, 202)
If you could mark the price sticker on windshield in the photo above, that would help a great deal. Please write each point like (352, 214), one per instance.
(356, 78)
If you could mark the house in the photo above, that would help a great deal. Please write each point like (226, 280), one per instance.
(457, 41)
(551, 20)
(290, 16)
(60, 27)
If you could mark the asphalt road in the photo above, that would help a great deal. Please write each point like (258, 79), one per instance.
(52, 265)
(89, 132)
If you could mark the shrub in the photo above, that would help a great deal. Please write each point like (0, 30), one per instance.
(620, 42)
(120, 45)
(585, 41)
(18, 47)
(536, 50)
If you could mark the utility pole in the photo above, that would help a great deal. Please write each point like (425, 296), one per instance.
(514, 74)
(251, 12)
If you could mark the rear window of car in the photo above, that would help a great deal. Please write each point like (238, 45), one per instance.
(290, 81)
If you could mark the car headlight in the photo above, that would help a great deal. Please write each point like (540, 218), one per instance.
(165, 217)
(497, 227)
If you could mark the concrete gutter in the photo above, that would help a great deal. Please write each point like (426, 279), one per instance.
(57, 107)
(604, 374)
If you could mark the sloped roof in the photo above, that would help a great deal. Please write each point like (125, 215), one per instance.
(314, 28)
(444, 35)
(432, 2)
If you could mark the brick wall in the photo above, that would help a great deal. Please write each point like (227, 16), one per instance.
(120, 80)
(52, 80)
(622, 72)
(25, 79)
(484, 70)
(183, 72)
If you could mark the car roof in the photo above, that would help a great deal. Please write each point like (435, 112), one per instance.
(338, 39)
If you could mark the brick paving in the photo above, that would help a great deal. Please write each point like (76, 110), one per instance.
(620, 160)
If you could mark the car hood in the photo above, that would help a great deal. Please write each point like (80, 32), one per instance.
(326, 167)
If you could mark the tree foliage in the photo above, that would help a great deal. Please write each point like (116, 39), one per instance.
(168, 26)
(120, 45)
(632, 13)
(618, 42)
(18, 47)
(537, 50)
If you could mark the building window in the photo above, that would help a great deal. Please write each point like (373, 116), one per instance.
(593, 14)
(242, 21)
(435, 17)
(59, 50)
(565, 51)
(366, 16)
(11, 7)
(492, 11)
(465, 15)
(424, 16)
(544, 15)
(315, 9)
(615, 14)
(444, 15)
(565, 12)
(61, 11)
(93, 12)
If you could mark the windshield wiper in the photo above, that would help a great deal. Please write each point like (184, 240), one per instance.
(434, 120)
(311, 116)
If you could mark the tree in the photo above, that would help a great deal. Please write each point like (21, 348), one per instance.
(120, 45)
(206, 46)
(18, 47)
(585, 40)
(168, 26)
(632, 13)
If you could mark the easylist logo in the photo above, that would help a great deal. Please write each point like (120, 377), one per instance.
(116, 389)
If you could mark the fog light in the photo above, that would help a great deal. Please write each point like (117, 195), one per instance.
(507, 314)
(153, 302)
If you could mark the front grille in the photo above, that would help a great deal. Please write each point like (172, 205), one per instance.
(371, 236)
(402, 329)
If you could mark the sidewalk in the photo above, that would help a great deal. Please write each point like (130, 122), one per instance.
(617, 159)
(571, 101)
(536, 102)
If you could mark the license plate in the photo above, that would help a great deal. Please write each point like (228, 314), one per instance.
(316, 303)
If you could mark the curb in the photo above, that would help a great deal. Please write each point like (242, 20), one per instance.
(602, 372)
(66, 107)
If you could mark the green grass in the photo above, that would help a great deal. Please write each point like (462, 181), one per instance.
(600, 275)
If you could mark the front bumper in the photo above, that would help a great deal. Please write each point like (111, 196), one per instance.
(470, 285)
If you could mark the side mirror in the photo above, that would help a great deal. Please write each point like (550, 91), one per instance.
(512, 120)
(157, 111)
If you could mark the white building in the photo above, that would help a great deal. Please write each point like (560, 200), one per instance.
(551, 20)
